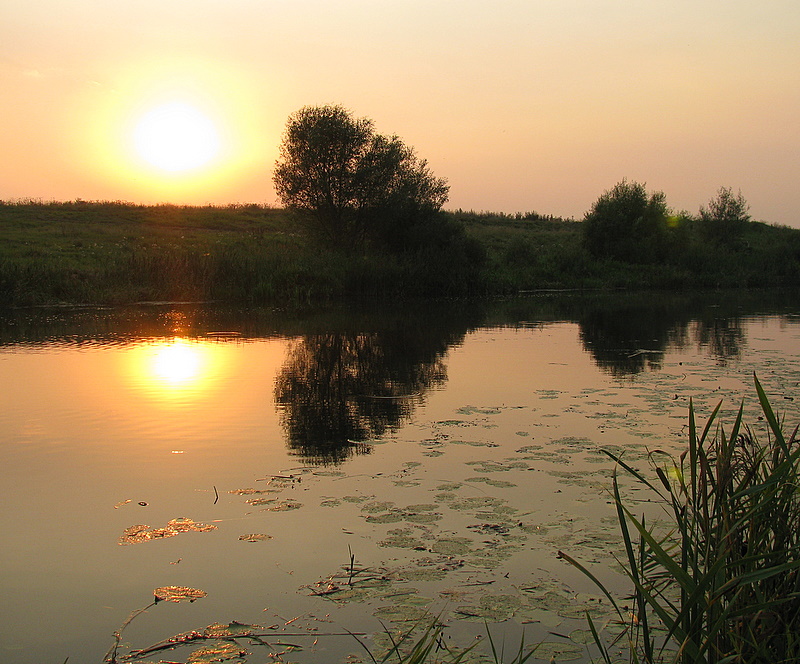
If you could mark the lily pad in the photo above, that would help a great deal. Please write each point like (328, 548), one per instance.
(255, 537)
(403, 540)
(452, 546)
(178, 594)
(141, 533)
(423, 517)
(500, 484)
(401, 613)
(387, 517)
(377, 506)
(285, 506)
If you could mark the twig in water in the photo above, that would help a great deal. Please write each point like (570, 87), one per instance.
(352, 565)
(111, 655)
(216, 494)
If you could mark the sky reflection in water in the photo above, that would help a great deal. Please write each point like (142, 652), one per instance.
(472, 416)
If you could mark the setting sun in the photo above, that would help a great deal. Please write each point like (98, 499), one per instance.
(179, 130)
(176, 137)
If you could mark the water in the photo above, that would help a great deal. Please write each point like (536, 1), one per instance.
(357, 465)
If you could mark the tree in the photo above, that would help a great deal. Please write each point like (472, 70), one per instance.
(352, 186)
(628, 225)
(725, 218)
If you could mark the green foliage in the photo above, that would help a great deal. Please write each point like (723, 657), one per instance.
(724, 578)
(114, 253)
(726, 217)
(626, 224)
(352, 186)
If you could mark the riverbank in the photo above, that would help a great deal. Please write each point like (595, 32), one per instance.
(115, 253)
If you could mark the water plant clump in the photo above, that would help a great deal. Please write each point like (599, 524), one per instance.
(718, 581)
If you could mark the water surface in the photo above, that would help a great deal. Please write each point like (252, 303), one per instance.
(357, 465)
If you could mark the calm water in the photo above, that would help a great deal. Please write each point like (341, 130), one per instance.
(451, 450)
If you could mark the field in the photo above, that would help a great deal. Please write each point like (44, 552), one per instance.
(113, 252)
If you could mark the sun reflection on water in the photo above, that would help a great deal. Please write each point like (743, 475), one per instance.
(177, 363)
(177, 367)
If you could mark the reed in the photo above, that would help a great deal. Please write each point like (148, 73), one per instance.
(720, 584)
(430, 647)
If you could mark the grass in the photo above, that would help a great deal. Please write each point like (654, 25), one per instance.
(721, 584)
(83, 252)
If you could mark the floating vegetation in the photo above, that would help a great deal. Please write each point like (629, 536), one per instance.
(142, 533)
(387, 517)
(217, 651)
(500, 484)
(255, 537)
(404, 612)
(178, 594)
(486, 466)
(452, 546)
(421, 517)
(475, 443)
(403, 538)
(377, 506)
(285, 506)
(492, 608)
(466, 564)
(559, 652)
(260, 501)
(355, 499)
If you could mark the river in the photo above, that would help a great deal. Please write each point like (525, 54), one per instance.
(314, 472)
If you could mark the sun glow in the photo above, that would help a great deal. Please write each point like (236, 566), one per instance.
(176, 137)
(174, 370)
(177, 363)
(177, 131)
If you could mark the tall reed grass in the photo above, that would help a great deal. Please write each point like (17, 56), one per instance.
(721, 584)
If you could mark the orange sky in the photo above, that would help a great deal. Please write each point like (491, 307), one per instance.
(522, 104)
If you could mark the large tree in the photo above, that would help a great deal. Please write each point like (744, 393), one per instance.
(351, 185)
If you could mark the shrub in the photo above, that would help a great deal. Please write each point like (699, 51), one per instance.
(626, 224)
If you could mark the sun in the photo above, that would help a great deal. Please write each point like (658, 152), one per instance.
(176, 137)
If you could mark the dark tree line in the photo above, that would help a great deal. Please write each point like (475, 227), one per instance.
(628, 224)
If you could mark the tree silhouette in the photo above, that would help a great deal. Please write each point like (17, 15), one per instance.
(352, 186)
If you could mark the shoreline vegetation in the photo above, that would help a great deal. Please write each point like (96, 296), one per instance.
(112, 252)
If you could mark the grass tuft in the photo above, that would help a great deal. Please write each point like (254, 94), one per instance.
(721, 584)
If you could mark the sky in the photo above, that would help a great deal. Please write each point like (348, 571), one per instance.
(522, 105)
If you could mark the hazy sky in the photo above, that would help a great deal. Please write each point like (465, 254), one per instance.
(521, 105)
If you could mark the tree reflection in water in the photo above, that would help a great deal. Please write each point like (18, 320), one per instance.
(632, 335)
(338, 390)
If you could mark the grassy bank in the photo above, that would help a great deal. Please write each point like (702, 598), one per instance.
(110, 252)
